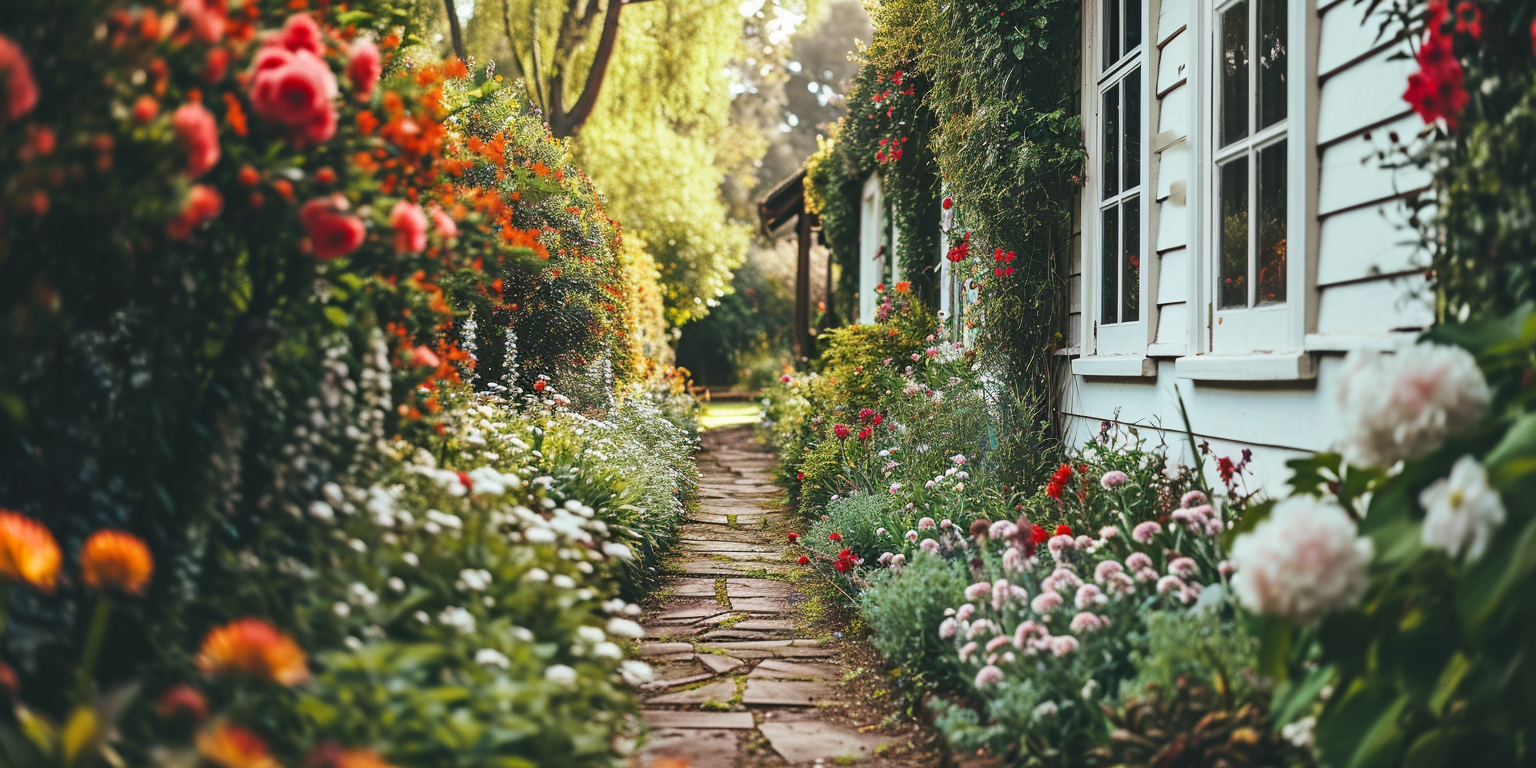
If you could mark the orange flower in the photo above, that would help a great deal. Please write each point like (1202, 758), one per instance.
(253, 647)
(230, 746)
(28, 552)
(117, 560)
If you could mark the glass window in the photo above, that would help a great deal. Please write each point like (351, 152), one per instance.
(1251, 155)
(1120, 197)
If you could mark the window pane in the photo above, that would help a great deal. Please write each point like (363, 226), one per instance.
(1271, 256)
(1132, 127)
(1132, 24)
(1111, 32)
(1111, 140)
(1130, 263)
(1271, 55)
(1109, 267)
(1232, 277)
(1234, 73)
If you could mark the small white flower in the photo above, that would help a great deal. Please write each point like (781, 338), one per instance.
(342, 610)
(490, 657)
(536, 574)
(563, 581)
(411, 559)
(615, 549)
(396, 584)
(607, 650)
(1462, 510)
(1044, 710)
(322, 511)
(560, 674)
(1304, 561)
(624, 628)
(636, 672)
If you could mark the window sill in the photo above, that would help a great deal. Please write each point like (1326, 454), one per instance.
(1380, 342)
(1165, 349)
(1123, 366)
(1272, 366)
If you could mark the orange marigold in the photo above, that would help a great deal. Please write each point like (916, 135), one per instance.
(230, 746)
(116, 560)
(253, 647)
(28, 552)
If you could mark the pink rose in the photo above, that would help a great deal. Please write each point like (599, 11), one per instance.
(332, 233)
(444, 224)
(208, 18)
(198, 133)
(294, 90)
(363, 67)
(20, 90)
(203, 203)
(299, 33)
(410, 224)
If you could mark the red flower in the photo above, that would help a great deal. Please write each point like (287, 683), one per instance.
(866, 433)
(799, 475)
(183, 703)
(331, 232)
(842, 565)
(538, 386)
(410, 223)
(424, 357)
(203, 203)
(1063, 530)
(198, 133)
(299, 33)
(841, 430)
(1226, 469)
(292, 86)
(16, 83)
(794, 537)
(834, 536)
(443, 223)
(949, 203)
(215, 65)
(466, 481)
(876, 419)
(803, 560)
(1436, 91)
(363, 68)
(1469, 19)
(1058, 482)
(1037, 535)
(145, 109)
(208, 18)
(866, 413)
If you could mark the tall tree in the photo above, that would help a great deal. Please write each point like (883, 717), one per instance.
(455, 30)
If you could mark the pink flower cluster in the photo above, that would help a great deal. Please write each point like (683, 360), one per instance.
(291, 84)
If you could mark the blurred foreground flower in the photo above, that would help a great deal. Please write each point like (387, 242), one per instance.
(255, 648)
(28, 553)
(116, 560)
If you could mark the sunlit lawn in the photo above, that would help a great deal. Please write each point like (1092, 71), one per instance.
(727, 414)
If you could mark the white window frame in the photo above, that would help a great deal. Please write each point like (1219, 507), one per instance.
(872, 223)
(1122, 339)
(1248, 334)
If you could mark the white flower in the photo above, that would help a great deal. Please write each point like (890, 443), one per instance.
(411, 559)
(560, 674)
(342, 610)
(1299, 733)
(620, 551)
(1047, 709)
(458, 618)
(322, 511)
(624, 628)
(948, 628)
(1303, 562)
(636, 672)
(396, 584)
(536, 574)
(563, 581)
(474, 580)
(490, 657)
(1462, 510)
(607, 650)
(1400, 406)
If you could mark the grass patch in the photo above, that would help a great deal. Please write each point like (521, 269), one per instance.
(718, 415)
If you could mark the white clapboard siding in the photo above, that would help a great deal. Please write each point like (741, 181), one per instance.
(1368, 93)
(1172, 18)
(1173, 167)
(1172, 226)
(1173, 277)
(1173, 114)
(1351, 174)
(1348, 35)
(1374, 306)
(1173, 323)
(1173, 63)
(1075, 285)
(1366, 242)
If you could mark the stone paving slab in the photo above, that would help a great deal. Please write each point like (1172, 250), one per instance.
(650, 650)
(786, 693)
(794, 670)
(715, 748)
(719, 663)
(807, 741)
(721, 690)
(666, 718)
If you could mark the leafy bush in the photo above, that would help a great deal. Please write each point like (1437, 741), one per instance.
(904, 609)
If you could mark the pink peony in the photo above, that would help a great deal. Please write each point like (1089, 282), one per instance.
(989, 675)
(1404, 405)
(203, 203)
(925, 524)
(208, 18)
(332, 233)
(1114, 479)
(996, 643)
(966, 651)
(299, 33)
(448, 230)
(1145, 532)
(965, 612)
(198, 133)
(1193, 498)
(1138, 561)
(410, 224)
(930, 546)
(294, 89)
(978, 590)
(424, 357)
(1169, 583)
(363, 67)
(1027, 631)
(1105, 570)
(20, 90)
(1304, 561)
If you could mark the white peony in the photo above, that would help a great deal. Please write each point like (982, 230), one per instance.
(1462, 510)
(1303, 562)
(1404, 405)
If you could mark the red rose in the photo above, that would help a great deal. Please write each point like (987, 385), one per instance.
(410, 224)
(331, 232)
(866, 433)
(834, 536)
(1037, 535)
(215, 65)
(208, 18)
(1063, 530)
(363, 67)
(803, 560)
(294, 89)
(299, 33)
(793, 537)
(145, 109)
(20, 90)
(203, 203)
(948, 203)
(842, 565)
(198, 133)
(841, 430)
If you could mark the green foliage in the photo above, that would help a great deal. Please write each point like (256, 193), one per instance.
(744, 341)
(904, 609)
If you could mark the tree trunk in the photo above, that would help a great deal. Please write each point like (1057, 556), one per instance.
(455, 31)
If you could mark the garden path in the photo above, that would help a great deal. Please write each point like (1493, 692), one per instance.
(739, 682)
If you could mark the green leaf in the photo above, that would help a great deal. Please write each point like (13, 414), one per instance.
(1276, 635)
(1293, 697)
(1252, 516)
(1442, 747)
(1364, 730)
(1487, 586)
(337, 316)
(1450, 678)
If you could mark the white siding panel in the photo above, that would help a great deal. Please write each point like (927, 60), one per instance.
(1173, 324)
(1172, 278)
(1365, 94)
(1173, 63)
(1173, 15)
(1172, 225)
(1351, 174)
(1173, 114)
(1173, 167)
(1075, 330)
(1366, 242)
(1375, 306)
(1075, 289)
(1347, 34)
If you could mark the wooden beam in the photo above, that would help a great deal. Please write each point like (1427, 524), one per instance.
(802, 329)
